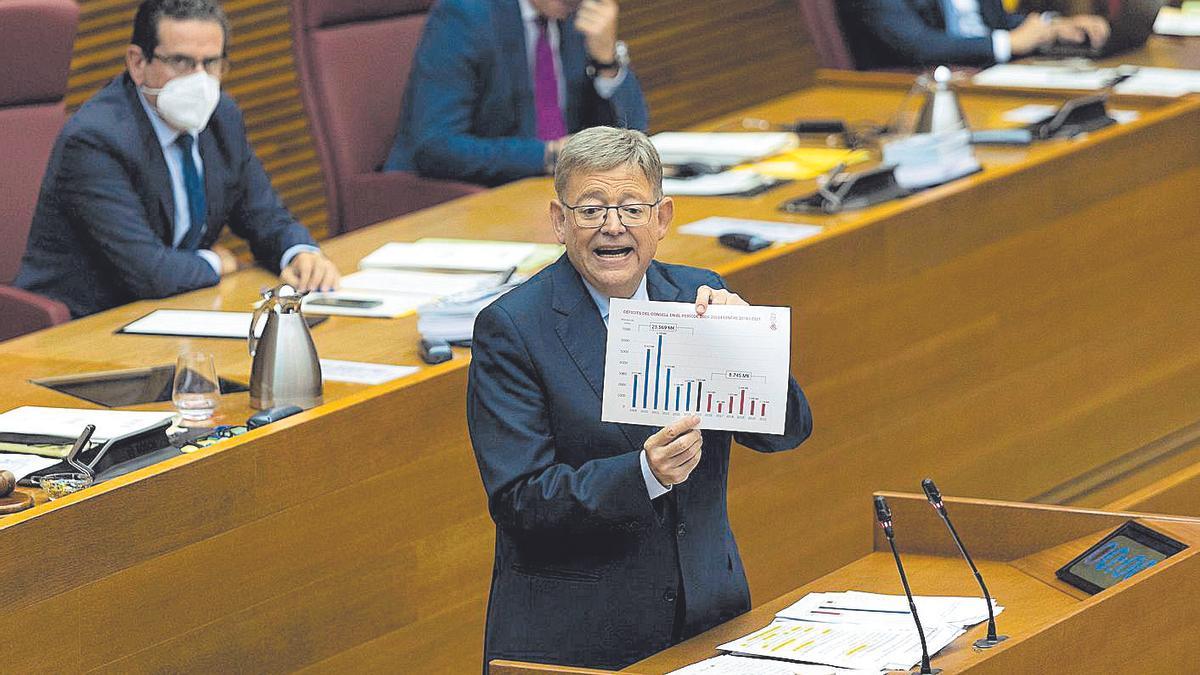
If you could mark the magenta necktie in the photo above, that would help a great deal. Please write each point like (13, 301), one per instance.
(550, 125)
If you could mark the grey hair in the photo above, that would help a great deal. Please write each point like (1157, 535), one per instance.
(600, 149)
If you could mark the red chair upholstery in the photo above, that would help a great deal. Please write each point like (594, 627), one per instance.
(24, 312)
(353, 60)
(36, 39)
(821, 19)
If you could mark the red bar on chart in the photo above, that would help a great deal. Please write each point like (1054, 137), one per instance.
(752, 402)
(764, 409)
(718, 406)
(710, 403)
(742, 405)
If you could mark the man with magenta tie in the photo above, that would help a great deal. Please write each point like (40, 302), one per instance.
(497, 86)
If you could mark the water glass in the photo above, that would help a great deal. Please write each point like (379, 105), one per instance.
(197, 389)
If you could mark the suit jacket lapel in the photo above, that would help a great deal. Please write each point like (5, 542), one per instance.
(571, 52)
(214, 177)
(158, 177)
(510, 33)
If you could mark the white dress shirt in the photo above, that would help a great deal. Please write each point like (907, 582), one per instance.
(605, 86)
(173, 154)
(964, 19)
(653, 488)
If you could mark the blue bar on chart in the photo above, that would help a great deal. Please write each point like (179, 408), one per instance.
(657, 373)
(634, 404)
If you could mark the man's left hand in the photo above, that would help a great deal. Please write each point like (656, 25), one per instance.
(597, 21)
(706, 296)
(1082, 28)
(311, 272)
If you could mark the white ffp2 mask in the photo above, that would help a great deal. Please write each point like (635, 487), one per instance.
(187, 102)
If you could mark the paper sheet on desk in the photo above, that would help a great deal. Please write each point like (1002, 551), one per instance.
(716, 184)
(385, 305)
(69, 422)
(805, 163)
(715, 226)
(449, 255)
(23, 465)
(1038, 112)
(1173, 21)
(1160, 82)
(1045, 77)
(192, 323)
(878, 610)
(731, 664)
(357, 372)
(722, 148)
(842, 645)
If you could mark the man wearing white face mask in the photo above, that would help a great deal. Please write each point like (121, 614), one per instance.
(147, 173)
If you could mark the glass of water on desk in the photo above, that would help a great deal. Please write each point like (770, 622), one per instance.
(196, 390)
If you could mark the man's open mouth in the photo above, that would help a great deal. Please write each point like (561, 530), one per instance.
(613, 251)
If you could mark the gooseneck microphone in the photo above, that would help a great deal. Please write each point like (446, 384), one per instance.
(935, 499)
(883, 513)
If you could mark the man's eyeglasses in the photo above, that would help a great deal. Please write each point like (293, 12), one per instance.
(182, 64)
(592, 216)
(213, 437)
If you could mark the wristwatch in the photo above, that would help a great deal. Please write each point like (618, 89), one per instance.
(621, 61)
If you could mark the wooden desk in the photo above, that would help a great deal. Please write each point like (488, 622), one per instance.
(1002, 333)
(1146, 621)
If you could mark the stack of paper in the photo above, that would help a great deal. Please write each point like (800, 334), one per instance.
(29, 432)
(1045, 77)
(730, 664)
(715, 226)
(865, 631)
(397, 278)
(720, 149)
(1160, 82)
(716, 184)
(453, 318)
(1173, 21)
(805, 163)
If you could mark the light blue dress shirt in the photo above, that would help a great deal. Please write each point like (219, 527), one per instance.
(963, 19)
(173, 155)
(654, 488)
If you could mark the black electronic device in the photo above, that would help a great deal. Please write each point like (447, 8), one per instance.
(830, 126)
(1126, 551)
(845, 191)
(272, 415)
(133, 386)
(1130, 29)
(744, 242)
(435, 351)
(883, 515)
(935, 499)
(345, 303)
(1076, 116)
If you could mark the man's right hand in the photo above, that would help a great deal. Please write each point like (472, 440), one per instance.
(674, 451)
(1033, 34)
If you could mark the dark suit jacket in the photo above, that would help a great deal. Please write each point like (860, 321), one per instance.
(468, 110)
(900, 33)
(588, 570)
(102, 231)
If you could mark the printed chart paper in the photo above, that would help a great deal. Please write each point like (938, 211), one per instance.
(729, 366)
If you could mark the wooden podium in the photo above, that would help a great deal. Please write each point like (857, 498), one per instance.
(1144, 624)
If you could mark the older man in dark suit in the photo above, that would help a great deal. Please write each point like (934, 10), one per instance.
(900, 33)
(497, 86)
(146, 174)
(612, 540)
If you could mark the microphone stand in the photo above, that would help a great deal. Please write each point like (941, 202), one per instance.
(884, 514)
(935, 498)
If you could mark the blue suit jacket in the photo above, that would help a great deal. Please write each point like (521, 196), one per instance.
(588, 570)
(468, 111)
(102, 231)
(899, 33)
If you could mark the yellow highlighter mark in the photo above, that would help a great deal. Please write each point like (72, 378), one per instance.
(781, 645)
(856, 649)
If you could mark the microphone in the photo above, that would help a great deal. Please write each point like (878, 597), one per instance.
(883, 513)
(935, 498)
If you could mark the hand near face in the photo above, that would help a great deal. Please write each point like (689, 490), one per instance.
(311, 272)
(674, 451)
(597, 21)
(706, 296)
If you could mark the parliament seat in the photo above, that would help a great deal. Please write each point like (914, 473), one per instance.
(353, 61)
(36, 39)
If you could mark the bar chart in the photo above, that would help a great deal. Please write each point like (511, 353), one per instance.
(730, 366)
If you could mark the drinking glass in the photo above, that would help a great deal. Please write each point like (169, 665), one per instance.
(197, 389)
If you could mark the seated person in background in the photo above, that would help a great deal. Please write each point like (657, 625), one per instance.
(497, 85)
(145, 175)
(612, 540)
(912, 33)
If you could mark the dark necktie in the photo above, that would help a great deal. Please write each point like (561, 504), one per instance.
(550, 124)
(195, 194)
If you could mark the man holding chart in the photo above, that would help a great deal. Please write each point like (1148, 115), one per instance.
(612, 540)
